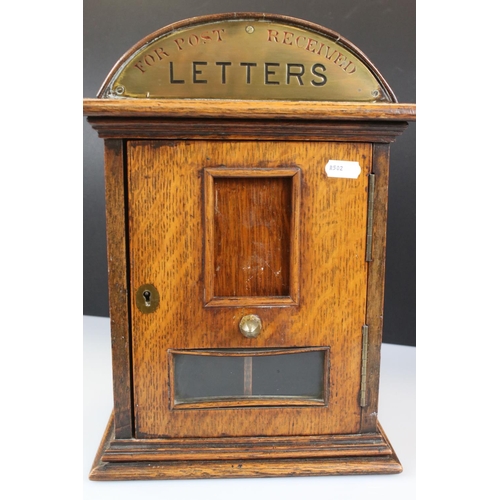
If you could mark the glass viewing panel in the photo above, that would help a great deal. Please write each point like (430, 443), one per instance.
(249, 377)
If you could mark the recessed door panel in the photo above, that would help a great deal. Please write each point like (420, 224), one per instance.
(252, 221)
(251, 236)
(206, 218)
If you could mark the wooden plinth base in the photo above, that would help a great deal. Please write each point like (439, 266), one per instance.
(118, 460)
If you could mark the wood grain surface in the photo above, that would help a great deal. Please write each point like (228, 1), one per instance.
(376, 282)
(166, 226)
(309, 456)
(116, 232)
(252, 218)
(214, 108)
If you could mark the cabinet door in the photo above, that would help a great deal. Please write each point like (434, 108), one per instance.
(248, 287)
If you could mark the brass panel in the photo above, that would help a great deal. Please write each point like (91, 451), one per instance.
(147, 298)
(246, 59)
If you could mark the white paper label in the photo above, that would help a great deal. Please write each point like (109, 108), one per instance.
(343, 169)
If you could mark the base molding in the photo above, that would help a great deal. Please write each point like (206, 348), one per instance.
(118, 460)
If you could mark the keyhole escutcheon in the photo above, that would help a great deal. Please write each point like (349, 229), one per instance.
(147, 298)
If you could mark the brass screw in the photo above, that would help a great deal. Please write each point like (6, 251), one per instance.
(250, 29)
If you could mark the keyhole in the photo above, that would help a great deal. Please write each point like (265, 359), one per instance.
(147, 297)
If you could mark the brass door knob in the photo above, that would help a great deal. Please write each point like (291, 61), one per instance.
(250, 326)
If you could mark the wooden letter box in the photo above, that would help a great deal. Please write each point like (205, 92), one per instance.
(246, 161)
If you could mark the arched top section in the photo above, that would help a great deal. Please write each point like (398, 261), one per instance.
(246, 56)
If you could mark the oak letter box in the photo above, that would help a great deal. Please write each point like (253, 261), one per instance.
(246, 162)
